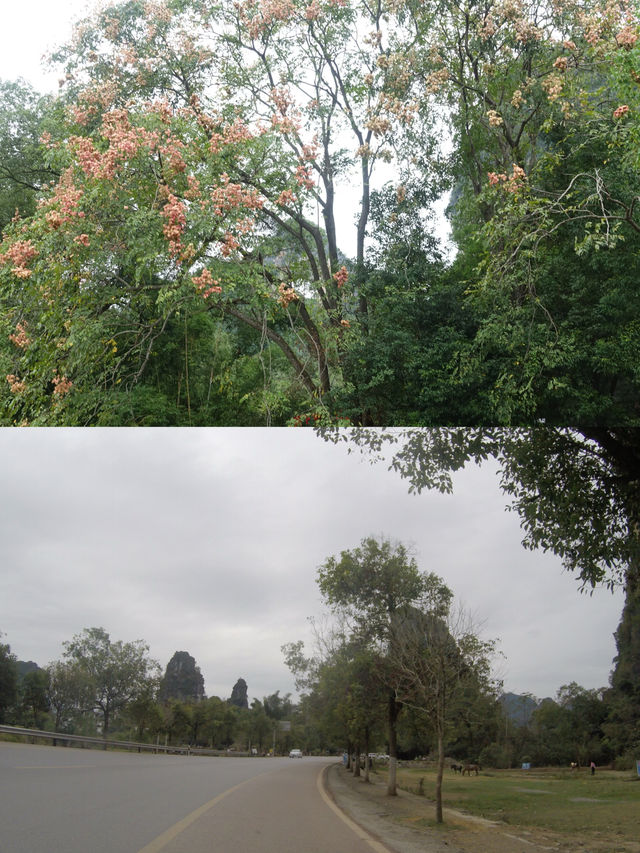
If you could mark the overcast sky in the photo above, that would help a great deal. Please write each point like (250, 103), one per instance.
(209, 541)
(32, 28)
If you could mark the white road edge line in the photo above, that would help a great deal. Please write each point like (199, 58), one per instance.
(362, 834)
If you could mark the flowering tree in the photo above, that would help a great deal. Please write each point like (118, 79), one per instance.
(202, 167)
(543, 98)
(201, 145)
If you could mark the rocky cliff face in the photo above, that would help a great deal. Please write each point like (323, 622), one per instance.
(239, 694)
(182, 679)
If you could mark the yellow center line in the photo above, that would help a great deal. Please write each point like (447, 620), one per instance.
(170, 834)
(362, 833)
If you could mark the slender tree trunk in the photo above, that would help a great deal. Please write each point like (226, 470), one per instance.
(394, 710)
(367, 760)
(356, 766)
(439, 775)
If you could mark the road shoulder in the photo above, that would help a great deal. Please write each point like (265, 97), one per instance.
(387, 818)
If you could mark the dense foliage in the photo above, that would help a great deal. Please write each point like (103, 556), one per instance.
(178, 255)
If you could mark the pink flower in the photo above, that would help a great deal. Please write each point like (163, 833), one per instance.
(206, 283)
(341, 276)
(16, 384)
(20, 337)
(285, 197)
(622, 110)
(61, 385)
(20, 254)
(174, 212)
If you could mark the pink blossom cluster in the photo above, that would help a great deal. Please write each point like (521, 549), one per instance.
(16, 385)
(378, 125)
(81, 115)
(304, 177)
(82, 240)
(310, 152)
(63, 204)
(511, 182)
(20, 338)
(489, 27)
(621, 110)
(284, 119)
(20, 253)
(400, 108)
(162, 109)
(313, 11)
(287, 294)
(206, 283)
(230, 196)
(229, 244)
(258, 15)
(285, 124)
(101, 95)
(173, 149)
(61, 384)
(286, 197)
(627, 37)
(158, 10)
(282, 99)
(436, 80)
(124, 139)
(231, 134)
(553, 86)
(341, 276)
(527, 31)
(175, 215)
(195, 190)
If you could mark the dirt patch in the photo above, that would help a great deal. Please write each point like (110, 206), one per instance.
(406, 824)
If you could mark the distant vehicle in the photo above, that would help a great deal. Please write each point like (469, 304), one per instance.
(295, 753)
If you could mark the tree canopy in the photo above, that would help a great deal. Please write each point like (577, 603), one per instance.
(178, 254)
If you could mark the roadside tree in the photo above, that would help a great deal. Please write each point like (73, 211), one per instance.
(369, 585)
(434, 655)
(116, 672)
(8, 680)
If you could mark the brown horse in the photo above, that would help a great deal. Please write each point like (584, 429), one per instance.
(469, 768)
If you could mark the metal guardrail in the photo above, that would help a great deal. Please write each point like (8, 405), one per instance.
(19, 731)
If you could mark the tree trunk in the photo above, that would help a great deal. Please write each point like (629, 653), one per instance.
(356, 765)
(367, 760)
(394, 710)
(439, 817)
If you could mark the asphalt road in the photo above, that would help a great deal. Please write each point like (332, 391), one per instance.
(62, 800)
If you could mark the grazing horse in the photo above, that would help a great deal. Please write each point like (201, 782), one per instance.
(457, 768)
(469, 768)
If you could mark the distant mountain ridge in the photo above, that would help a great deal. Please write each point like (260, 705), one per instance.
(519, 707)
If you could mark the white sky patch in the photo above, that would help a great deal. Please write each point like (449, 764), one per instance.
(209, 541)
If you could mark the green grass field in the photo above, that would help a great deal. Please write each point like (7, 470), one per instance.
(570, 803)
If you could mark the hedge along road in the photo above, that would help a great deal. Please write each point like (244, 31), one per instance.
(62, 800)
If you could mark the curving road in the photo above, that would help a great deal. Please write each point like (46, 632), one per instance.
(62, 800)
